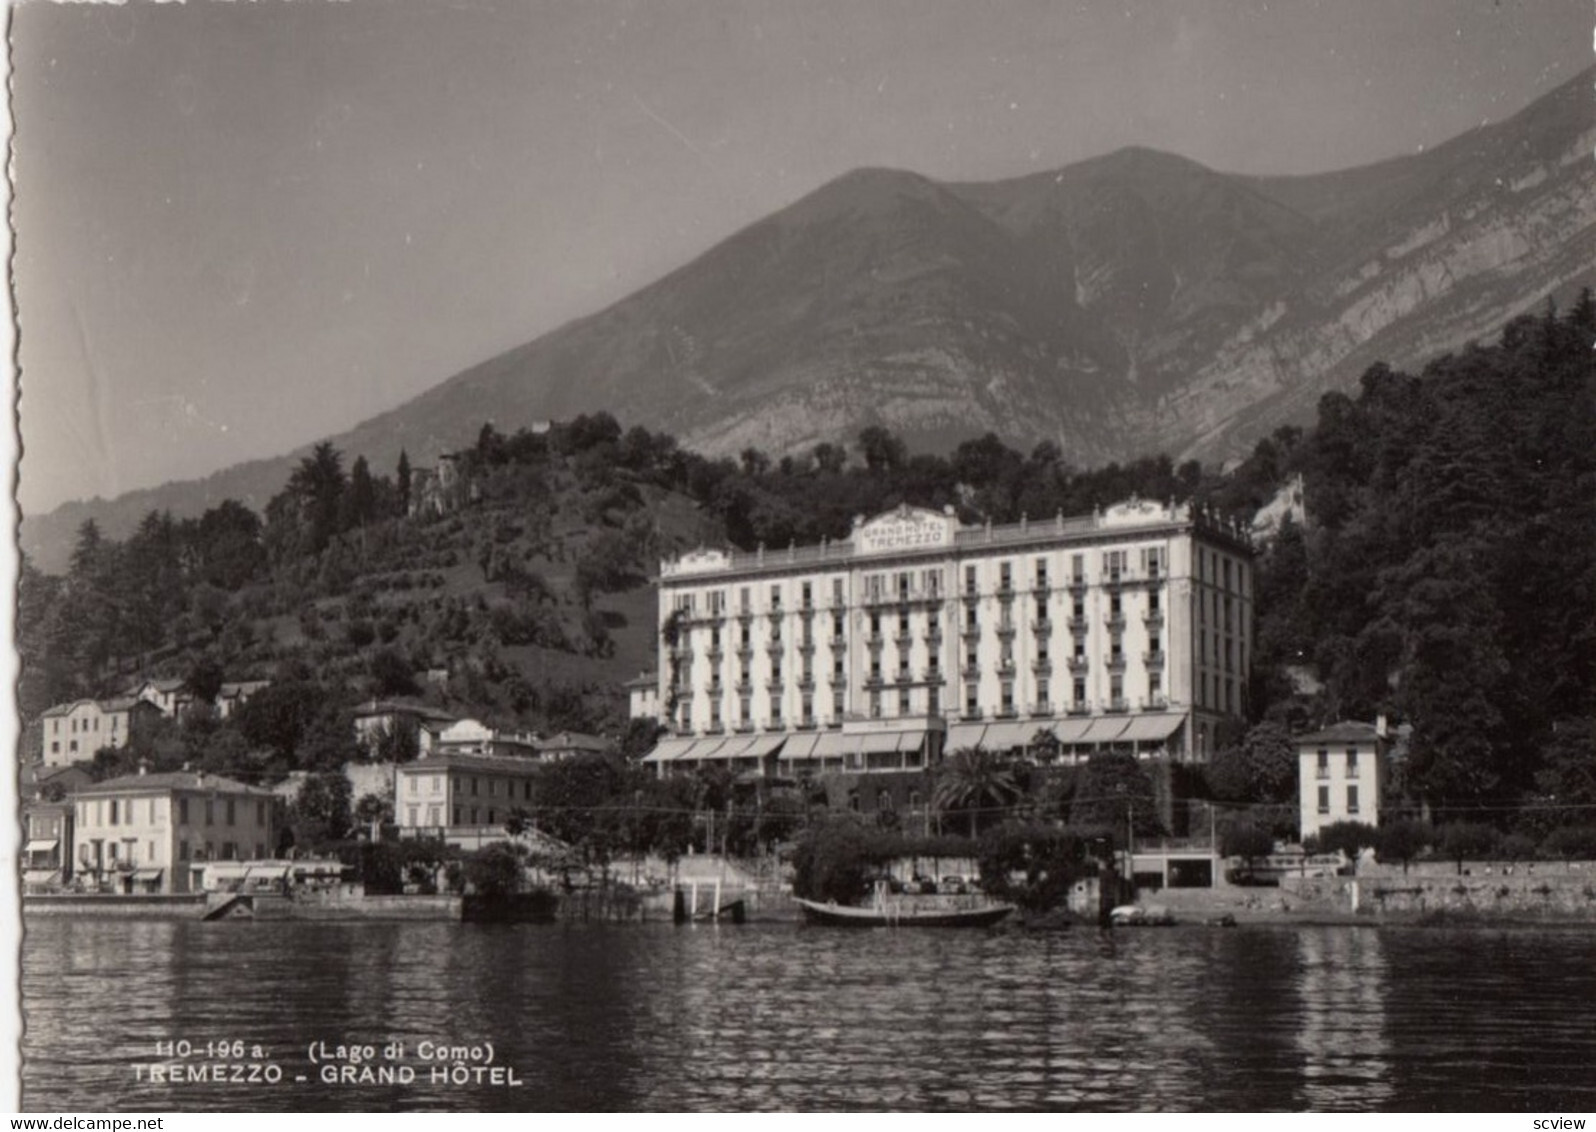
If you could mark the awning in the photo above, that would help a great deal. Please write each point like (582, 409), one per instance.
(730, 748)
(1002, 736)
(147, 874)
(669, 750)
(1105, 730)
(41, 846)
(881, 742)
(40, 876)
(800, 747)
(1072, 730)
(266, 872)
(834, 745)
(763, 746)
(962, 735)
(1152, 728)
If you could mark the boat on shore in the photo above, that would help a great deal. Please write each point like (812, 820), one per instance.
(891, 911)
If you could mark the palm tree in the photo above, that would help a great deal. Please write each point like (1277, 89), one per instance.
(973, 779)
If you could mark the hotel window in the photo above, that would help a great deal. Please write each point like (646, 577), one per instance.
(808, 595)
(875, 705)
(875, 626)
(492, 817)
(931, 664)
(1116, 689)
(1041, 573)
(836, 591)
(457, 815)
(903, 701)
(1352, 762)
(1008, 697)
(210, 812)
(714, 640)
(775, 597)
(971, 622)
(182, 811)
(476, 816)
(1005, 576)
(232, 812)
(745, 709)
(971, 700)
(775, 669)
(745, 599)
(933, 700)
(932, 581)
(434, 815)
(1114, 564)
(836, 626)
(1041, 692)
(1078, 697)
(1153, 561)
(1324, 763)
(903, 587)
(747, 635)
(1114, 607)
(836, 705)
(903, 623)
(1324, 799)
(1352, 799)
(836, 668)
(1155, 685)
(969, 579)
(114, 812)
(182, 850)
(808, 708)
(875, 668)
(971, 658)
(714, 714)
(415, 814)
(1078, 609)
(260, 813)
(473, 789)
(1152, 602)
(775, 710)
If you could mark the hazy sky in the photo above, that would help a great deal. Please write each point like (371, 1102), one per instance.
(244, 226)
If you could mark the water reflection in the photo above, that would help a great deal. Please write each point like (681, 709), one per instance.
(785, 1017)
(1343, 982)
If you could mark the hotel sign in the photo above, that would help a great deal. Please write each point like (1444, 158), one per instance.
(907, 528)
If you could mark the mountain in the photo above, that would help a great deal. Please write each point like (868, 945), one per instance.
(1133, 303)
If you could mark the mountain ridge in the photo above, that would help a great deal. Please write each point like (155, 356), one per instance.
(1130, 303)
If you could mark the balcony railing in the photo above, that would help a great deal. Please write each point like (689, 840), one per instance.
(1042, 666)
(1153, 617)
(1041, 709)
(1042, 626)
(1079, 707)
(1077, 624)
(1119, 703)
(1154, 659)
(1116, 661)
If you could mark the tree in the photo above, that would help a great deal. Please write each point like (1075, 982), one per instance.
(973, 780)
(374, 811)
(1112, 789)
(1247, 841)
(494, 871)
(830, 458)
(1403, 840)
(402, 476)
(1467, 841)
(203, 680)
(835, 860)
(321, 811)
(1263, 768)
(882, 451)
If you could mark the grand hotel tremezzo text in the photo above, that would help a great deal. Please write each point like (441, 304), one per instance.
(1129, 629)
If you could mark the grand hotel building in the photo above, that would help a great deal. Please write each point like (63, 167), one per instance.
(1129, 629)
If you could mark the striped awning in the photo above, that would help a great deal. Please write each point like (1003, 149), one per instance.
(801, 746)
(1072, 730)
(669, 750)
(1152, 728)
(1105, 730)
(962, 735)
(882, 742)
(41, 846)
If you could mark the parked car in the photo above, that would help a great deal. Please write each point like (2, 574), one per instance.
(921, 885)
(954, 885)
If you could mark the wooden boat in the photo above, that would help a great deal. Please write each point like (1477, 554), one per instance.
(904, 912)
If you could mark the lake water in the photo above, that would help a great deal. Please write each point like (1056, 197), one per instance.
(782, 1016)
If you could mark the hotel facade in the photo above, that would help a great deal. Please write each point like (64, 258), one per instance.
(1129, 629)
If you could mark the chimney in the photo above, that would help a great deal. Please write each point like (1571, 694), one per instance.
(144, 768)
(199, 779)
(1380, 727)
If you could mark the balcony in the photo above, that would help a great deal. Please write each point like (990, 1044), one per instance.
(715, 654)
(905, 676)
(1005, 586)
(1115, 621)
(971, 633)
(1077, 583)
(1040, 587)
(1119, 703)
(1324, 773)
(744, 727)
(933, 638)
(1007, 711)
(1042, 626)
(971, 597)
(715, 728)
(1006, 628)
(1116, 662)
(1153, 618)
(807, 681)
(1006, 666)
(1042, 666)
(970, 715)
(745, 685)
(875, 680)
(807, 724)
(1154, 659)
(904, 641)
(931, 676)
(1041, 709)
(1078, 664)
(745, 650)
(1157, 702)
(839, 644)
(1077, 624)
(1079, 707)
(971, 672)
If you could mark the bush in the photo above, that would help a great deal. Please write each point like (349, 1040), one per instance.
(1050, 858)
(1349, 837)
(835, 861)
(1246, 841)
(1517, 847)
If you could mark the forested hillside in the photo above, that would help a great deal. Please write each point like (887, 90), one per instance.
(1445, 575)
